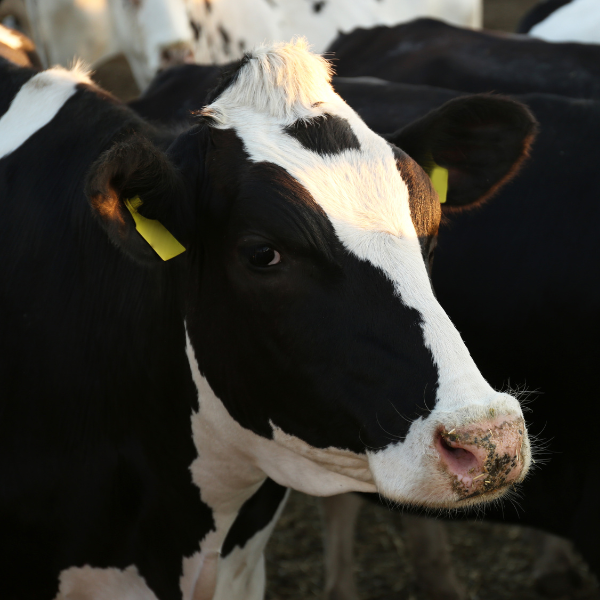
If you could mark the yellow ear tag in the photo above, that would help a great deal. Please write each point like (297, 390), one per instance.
(439, 180)
(154, 232)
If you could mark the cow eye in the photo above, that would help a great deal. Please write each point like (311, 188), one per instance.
(264, 256)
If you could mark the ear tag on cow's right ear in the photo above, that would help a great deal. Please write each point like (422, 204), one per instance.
(439, 180)
(154, 232)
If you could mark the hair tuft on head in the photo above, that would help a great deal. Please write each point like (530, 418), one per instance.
(284, 80)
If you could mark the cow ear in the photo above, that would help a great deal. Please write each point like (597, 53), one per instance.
(480, 140)
(133, 190)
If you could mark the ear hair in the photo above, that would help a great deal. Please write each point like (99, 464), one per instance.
(133, 167)
(482, 140)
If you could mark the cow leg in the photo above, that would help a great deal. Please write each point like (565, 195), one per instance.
(241, 573)
(555, 572)
(339, 518)
(427, 541)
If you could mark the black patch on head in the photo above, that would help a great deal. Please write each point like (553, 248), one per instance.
(208, 5)
(256, 514)
(196, 28)
(325, 135)
(228, 77)
(318, 6)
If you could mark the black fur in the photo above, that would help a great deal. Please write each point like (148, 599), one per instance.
(481, 140)
(429, 52)
(256, 514)
(328, 134)
(95, 435)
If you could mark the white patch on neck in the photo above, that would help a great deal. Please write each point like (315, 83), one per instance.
(90, 583)
(36, 104)
(9, 38)
(366, 199)
(232, 464)
(577, 21)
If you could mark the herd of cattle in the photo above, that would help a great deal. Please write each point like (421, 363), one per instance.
(225, 288)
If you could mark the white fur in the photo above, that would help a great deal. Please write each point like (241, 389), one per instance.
(322, 28)
(9, 38)
(36, 104)
(246, 23)
(252, 22)
(144, 31)
(366, 199)
(578, 21)
(89, 583)
(66, 30)
(97, 30)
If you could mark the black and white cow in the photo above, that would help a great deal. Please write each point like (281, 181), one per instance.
(428, 52)
(563, 21)
(147, 393)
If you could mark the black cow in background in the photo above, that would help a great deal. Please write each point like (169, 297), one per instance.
(428, 52)
(563, 21)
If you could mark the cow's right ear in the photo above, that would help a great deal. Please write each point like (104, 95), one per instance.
(134, 189)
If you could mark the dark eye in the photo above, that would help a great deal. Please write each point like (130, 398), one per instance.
(264, 256)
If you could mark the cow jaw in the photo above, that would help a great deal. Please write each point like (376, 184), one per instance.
(233, 461)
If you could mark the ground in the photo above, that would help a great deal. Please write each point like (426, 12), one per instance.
(493, 561)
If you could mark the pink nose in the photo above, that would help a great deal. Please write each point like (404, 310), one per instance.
(484, 456)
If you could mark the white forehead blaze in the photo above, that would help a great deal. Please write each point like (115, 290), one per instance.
(360, 190)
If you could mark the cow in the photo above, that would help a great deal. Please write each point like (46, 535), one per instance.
(169, 100)
(155, 34)
(428, 52)
(185, 315)
(152, 34)
(563, 21)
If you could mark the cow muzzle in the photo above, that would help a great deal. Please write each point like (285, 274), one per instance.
(483, 458)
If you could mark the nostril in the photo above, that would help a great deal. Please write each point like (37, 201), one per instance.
(457, 459)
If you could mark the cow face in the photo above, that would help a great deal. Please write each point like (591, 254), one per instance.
(153, 35)
(314, 332)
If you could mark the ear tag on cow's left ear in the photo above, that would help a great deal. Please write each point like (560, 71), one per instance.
(439, 180)
(154, 232)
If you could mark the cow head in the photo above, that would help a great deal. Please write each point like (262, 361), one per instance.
(310, 313)
(153, 34)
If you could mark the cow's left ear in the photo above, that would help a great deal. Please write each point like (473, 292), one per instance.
(481, 140)
(134, 189)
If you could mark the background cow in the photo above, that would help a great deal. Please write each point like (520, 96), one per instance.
(428, 52)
